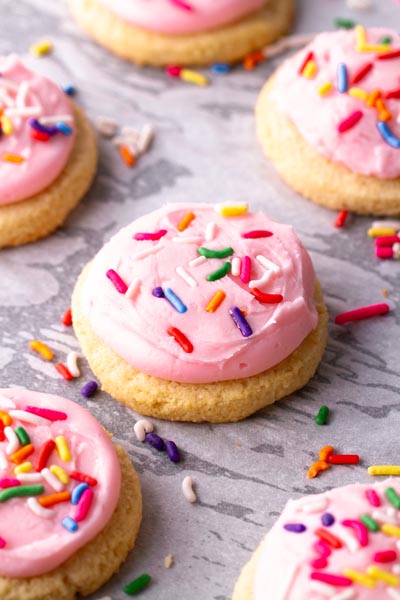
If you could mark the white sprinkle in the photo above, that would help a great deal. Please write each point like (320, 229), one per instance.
(142, 427)
(106, 126)
(145, 139)
(322, 503)
(30, 477)
(344, 595)
(211, 231)
(38, 509)
(22, 94)
(187, 489)
(6, 402)
(52, 480)
(359, 4)
(349, 540)
(386, 224)
(315, 507)
(147, 252)
(55, 119)
(195, 262)
(72, 364)
(265, 262)
(322, 588)
(13, 441)
(396, 568)
(195, 239)
(259, 283)
(236, 266)
(392, 593)
(168, 561)
(133, 289)
(3, 461)
(7, 83)
(384, 517)
(105, 598)
(6, 98)
(27, 417)
(23, 111)
(186, 277)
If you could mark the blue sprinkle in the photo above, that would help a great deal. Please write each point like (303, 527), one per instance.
(240, 322)
(69, 89)
(220, 68)
(77, 492)
(69, 524)
(173, 452)
(89, 389)
(387, 135)
(64, 128)
(295, 527)
(158, 292)
(174, 300)
(327, 519)
(342, 78)
(156, 441)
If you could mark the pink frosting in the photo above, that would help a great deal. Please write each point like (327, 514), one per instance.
(36, 544)
(182, 16)
(43, 161)
(361, 148)
(137, 328)
(284, 565)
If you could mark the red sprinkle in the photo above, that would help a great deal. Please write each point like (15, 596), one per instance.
(44, 454)
(362, 313)
(328, 537)
(350, 121)
(257, 233)
(2, 436)
(319, 563)
(387, 240)
(62, 369)
(340, 220)
(330, 579)
(173, 70)
(181, 338)
(385, 556)
(393, 94)
(344, 459)
(389, 55)
(307, 58)
(78, 476)
(41, 136)
(361, 73)
(266, 298)
(67, 318)
(384, 252)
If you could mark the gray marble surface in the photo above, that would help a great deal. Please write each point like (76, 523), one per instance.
(205, 150)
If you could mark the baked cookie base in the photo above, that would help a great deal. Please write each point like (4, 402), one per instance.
(324, 182)
(244, 585)
(95, 563)
(227, 44)
(39, 215)
(219, 402)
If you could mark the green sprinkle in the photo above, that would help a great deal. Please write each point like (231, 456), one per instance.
(370, 523)
(393, 497)
(219, 273)
(21, 490)
(23, 437)
(224, 253)
(344, 23)
(322, 415)
(137, 585)
(386, 40)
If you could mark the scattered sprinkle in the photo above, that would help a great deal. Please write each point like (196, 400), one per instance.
(89, 389)
(42, 349)
(362, 313)
(172, 451)
(322, 415)
(168, 561)
(156, 441)
(137, 585)
(41, 48)
(142, 427)
(64, 372)
(187, 489)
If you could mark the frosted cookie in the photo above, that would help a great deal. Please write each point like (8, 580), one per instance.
(329, 121)
(70, 500)
(341, 545)
(191, 313)
(47, 154)
(183, 32)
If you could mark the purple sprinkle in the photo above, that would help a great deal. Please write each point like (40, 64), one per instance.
(35, 124)
(173, 452)
(155, 441)
(158, 292)
(295, 527)
(327, 519)
(240, 322)
(89, 389)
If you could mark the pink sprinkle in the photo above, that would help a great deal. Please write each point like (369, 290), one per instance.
(330, 579)
(2, 542)
(385, 556)
(372, 497)
(359, 529)
(84, 505)
(257, 233)
(183, 5)
(322, 548)
(8, 482)
(387, 240)
(173, 70)
(350, 121)
(150, 236)
(362, 313)
(119, 284)
(319, 563)
(384, 252)
(47, 413)
(245, 269)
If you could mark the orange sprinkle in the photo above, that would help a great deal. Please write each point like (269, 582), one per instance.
(53, 499)
(373, 97)
(127, 156)
(253, 59)
(13, 158)
(5, 418)
(385, 293)
(42, 349)
(325, 452)
(317, 468)
(185, 222)
(383, 113)
(20, 455)
(216, 301)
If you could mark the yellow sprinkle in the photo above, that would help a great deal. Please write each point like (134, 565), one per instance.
(358, 93)
(361, 37)
(382, 48)
(193, 77)
(325, 88)
(384, 470)
(185, 221)
(62, 448)
(6, 125)
(381, 231)
(5, 417)
(233, 211)
(389, 529)
(41, 48)
(25, 467)
(216, 301)
(13, 158)
(377, 573)
(42, 349)
(60, 474)
(309, 70)
(360, 578)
